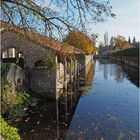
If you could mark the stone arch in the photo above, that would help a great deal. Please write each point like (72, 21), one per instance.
(40, 64)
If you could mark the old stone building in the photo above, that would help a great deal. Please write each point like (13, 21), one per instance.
(48, 64)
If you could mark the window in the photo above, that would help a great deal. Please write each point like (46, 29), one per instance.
(9, 53)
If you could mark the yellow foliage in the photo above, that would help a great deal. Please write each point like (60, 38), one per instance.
(122, 43)
(81, 41)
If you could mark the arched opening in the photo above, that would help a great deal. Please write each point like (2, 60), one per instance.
(40, 64)
(9, 53)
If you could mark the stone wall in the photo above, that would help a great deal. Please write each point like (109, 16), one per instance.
(31, 51)
(60, 70)
(132, 61)
(85, 61)
(88, 58)
(43, 82)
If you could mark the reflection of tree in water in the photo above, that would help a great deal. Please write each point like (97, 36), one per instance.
(111, 70)
(132, 74)
(119, 75)
(127, 71)
(105, 71)
(89, 80)
(90, 74)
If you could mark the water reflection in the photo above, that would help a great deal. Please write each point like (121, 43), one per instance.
(119, 71)
(107, 111)
(49, 120)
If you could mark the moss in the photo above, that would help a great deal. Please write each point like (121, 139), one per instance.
(8, 132)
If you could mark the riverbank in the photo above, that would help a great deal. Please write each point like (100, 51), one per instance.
(131, 61)
(128, 56)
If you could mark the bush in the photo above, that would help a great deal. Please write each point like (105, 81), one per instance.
(8, 132)
(20, 109)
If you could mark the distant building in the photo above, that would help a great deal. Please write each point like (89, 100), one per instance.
(105, 50)
(106, 38)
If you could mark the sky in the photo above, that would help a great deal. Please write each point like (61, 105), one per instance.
(126, 23)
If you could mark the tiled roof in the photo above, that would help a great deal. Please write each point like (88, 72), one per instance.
(43, 40)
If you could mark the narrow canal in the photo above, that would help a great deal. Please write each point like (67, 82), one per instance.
(109, 110)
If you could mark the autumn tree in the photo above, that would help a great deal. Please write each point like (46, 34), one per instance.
(121, 42)
(80, 40)
(54, 17)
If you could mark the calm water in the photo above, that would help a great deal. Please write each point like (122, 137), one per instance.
(109, 110)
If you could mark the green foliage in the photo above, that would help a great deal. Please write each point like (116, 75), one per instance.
(9, 98)
(8, 132)
(20, 109)
(134, 52)
(14, 100)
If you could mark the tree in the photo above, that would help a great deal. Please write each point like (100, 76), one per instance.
(80, 40)
(134, 40)
(53, 17)
(121, 42)
(129, 40)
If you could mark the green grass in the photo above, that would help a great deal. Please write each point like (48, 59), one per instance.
(134, 52)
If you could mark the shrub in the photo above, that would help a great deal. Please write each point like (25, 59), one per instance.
(8, 132)
(20, 109)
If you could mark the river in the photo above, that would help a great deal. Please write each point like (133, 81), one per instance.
(108, 110)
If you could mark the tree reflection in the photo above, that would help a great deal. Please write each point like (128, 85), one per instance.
(118, 71)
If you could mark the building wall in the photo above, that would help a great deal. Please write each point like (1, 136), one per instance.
(31, 51)
(84, 61)
(60, 70)
(43, 82)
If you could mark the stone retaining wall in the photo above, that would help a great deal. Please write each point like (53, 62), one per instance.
(132, 61)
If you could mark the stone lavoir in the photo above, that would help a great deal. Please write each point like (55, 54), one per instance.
(48, 65)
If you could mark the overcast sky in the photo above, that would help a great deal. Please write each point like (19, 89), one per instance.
(126, 23)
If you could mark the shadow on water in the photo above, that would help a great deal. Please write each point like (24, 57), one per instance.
(107, 110)
(50, 120)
